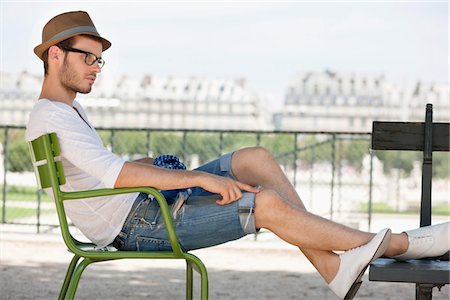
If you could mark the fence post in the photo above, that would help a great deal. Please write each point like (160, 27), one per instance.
(111, 139)
(149, 146)
(333, 167)
(5, 160)
(295, 159)
(339, 176)
(184, 146)
(311, 177)
(221, 143)
(38, 213)
(370, 189)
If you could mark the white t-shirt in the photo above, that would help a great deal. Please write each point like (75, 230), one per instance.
(87, 165)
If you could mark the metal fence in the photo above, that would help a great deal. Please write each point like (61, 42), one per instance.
(336, 174)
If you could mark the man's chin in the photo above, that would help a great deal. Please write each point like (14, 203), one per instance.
(85, 91)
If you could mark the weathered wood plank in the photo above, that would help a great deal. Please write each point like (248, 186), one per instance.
(408, 136)
(413, 271)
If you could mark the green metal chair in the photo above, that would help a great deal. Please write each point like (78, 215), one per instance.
(45, 151)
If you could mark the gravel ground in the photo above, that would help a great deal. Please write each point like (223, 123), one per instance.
(32, 266)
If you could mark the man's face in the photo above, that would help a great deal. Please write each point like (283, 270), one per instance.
(75, 75)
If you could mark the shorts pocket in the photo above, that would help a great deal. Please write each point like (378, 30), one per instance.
(152, 244)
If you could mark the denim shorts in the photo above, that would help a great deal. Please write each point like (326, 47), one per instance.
(199, 223)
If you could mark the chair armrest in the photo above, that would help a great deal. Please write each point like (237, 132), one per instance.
(107, 192)
(148, 190)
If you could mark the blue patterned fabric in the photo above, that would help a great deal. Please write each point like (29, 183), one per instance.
(169, 161)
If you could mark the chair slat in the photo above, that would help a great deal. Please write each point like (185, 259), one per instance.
(44, 176)
(60, 172)
(55, 144)
(408, 136)
(38, 147)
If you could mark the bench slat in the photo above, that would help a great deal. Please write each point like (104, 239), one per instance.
(408, 136)
(413, 271)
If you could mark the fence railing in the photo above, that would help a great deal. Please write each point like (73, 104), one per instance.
(335, 174)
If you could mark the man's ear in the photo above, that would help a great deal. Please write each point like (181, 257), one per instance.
(55, 54)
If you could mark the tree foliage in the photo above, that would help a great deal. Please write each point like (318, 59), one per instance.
(18, 156)
(311, 148)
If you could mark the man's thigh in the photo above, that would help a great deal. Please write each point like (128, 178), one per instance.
(200, 223)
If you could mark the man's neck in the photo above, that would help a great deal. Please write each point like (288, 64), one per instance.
(53, 91)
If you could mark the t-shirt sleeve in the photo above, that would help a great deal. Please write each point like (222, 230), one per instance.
(83, 148)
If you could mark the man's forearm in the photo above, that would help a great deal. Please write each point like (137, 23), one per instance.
(141, 173)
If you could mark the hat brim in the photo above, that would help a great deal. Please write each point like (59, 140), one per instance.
(39, 50)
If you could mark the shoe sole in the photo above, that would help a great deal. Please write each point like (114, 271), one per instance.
(379, 252)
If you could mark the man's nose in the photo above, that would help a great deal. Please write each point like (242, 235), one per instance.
(96, 68)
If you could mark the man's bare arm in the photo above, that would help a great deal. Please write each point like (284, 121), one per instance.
(139, 174)
(142, 174)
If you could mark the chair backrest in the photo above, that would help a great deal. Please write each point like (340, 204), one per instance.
(47, 165)
(45, 156)
(415, 136)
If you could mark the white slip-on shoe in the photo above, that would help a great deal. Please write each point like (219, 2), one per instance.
(428, 241)
(354, 263)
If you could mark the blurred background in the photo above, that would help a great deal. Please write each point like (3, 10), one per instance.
(332, 66)
(199, 79)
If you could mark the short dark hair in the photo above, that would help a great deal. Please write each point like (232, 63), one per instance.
(65, 43)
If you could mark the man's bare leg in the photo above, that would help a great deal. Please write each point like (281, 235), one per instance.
(257, 166)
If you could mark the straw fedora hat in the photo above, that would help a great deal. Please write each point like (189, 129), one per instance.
(65, 26)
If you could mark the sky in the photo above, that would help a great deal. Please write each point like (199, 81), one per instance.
(267, 43)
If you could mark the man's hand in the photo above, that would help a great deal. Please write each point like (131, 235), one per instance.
(229, 189)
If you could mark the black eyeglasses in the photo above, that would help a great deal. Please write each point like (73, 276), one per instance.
(89, 59)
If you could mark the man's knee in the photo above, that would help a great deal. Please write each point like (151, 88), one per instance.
(261, 152)
(252, 154)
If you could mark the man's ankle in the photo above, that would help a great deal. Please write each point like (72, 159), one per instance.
(399, 245)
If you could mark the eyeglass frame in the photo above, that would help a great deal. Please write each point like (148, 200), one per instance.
(100, 61)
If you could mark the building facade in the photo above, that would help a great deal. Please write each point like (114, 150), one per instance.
(151, 102)
(327, 101)
(314, 101)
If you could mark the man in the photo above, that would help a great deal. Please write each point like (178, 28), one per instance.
(235, 195)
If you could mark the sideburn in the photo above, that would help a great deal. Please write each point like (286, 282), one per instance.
(68, 78)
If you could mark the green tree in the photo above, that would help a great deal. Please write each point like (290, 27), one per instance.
(18, 157)
(353, 152)
(279, 143)
(403, 160)
(130, 143)
(205, 145)
(441, 165)
(166, 143)
(316, 148)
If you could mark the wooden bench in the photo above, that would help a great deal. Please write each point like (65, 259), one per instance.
(414, 136)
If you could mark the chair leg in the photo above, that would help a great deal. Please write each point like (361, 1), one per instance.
(204, 283)
(189, 281)
(424, 291)
(198, 265)
(67, 279)
(72, 289)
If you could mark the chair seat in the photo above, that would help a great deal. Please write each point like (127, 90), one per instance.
(92, 247)
(413, 271)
